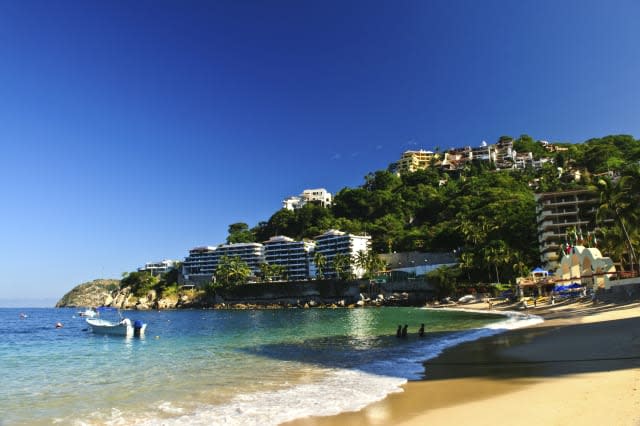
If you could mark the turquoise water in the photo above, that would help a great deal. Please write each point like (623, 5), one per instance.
(218, 367)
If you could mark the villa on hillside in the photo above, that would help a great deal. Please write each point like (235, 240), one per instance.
(501, 154)
(318, 196)
(158, 268)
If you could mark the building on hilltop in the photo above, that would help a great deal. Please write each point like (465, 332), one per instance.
(295, 256)
(412, 161)
(318, 196)
(557, 214)
(334, 242)
(158, 268)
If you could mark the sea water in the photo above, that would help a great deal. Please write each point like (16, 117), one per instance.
(203, 367)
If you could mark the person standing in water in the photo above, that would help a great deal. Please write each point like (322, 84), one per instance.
(404, 330)
(421, 331)
(399, 332)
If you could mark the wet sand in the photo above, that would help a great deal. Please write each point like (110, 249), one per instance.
(581, 366)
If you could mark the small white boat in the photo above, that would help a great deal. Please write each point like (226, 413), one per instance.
(123, 327)
(88, 313)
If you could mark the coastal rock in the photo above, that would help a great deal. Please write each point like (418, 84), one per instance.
(93, 293)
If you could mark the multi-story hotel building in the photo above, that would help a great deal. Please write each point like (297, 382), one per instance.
(157, 268)
(202, 262)
(295, 256)
(335, 242)
(318, 196)
(558, 212)
(251, 253)
(200, 265)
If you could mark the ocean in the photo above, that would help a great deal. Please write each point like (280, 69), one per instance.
(204, 367)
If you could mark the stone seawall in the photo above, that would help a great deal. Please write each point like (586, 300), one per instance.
(321, 292)
(328, 292)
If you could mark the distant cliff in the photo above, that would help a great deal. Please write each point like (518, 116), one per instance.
(93, 293)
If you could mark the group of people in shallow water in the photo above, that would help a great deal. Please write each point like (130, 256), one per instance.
(402, 331)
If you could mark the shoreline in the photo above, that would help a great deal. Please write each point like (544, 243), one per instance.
(581, 365)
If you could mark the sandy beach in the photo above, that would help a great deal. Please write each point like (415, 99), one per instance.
(580, 366)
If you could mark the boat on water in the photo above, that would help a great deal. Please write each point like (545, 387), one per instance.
(121, 327)
(88, 313)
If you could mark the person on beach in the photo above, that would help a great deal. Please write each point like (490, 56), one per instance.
(404, 330)
(421, 331)
(399, 332)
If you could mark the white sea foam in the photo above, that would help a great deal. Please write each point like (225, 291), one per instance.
(341, 390)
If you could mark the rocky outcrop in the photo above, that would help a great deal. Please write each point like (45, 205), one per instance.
(308, 294)
(93, 293)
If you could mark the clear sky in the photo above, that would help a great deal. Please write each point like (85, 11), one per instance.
(132, 131)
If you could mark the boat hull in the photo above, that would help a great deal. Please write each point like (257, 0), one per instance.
(122, 328)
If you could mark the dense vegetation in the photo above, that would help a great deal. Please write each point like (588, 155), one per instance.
(486, 216)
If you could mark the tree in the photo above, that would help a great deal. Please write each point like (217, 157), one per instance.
(342, 266)
(496, 253)
(321, 262)
(272, 272)
(239, 233)
(444, 281)
(369, 262)
(618, 205)
(232, 271)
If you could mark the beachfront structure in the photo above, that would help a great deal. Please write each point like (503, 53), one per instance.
(251, 253)
(157, 268)
(558, 213)
(319, 196)
(199, 265)
(335, 242)
(202, 262)
(412, 161)
(587, 267)
(295, 256)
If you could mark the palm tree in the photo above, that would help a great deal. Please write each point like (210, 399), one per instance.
(342, 266)
(496, 253)
(232, 271)
(616, 205)
(466, 263)
(363, 261)
(320, 262)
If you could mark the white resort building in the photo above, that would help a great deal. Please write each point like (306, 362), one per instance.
(335, 242)
(202, 262)
(157, 268)
(318, 196)
(200, 265)
(295, 256)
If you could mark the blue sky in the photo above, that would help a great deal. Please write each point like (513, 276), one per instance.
(132, 131)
